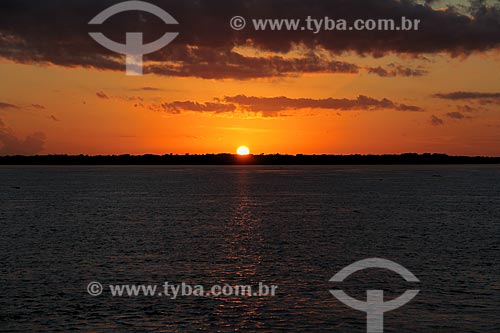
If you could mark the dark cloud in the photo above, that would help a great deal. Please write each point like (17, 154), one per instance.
(10, 144)
(344, 104)
(4, 106)
(56, 32)
(455, 115)
(436, 121)
(466, 108)
(430, 2)
(270, 106)
(102, 95)
(177, 107)
(149, 89)
(38, 106)
(210, 63)
(481, 100)
(394, 70)
(463, 95)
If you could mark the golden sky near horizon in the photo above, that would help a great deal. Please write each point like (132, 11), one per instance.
(50, 108)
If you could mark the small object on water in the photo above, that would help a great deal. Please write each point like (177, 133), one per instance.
(16, 187)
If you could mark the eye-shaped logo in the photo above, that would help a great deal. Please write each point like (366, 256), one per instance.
(134, 49)
(374, 305)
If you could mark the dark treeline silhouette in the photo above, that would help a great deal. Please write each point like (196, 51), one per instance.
(230, 159)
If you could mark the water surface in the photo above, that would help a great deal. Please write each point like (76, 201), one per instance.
(62, 227)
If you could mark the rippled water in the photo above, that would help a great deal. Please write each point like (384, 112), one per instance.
(62, 227)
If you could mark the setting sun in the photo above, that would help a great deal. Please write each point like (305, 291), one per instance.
(243, 150)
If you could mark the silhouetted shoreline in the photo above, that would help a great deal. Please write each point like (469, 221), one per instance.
(231, 159)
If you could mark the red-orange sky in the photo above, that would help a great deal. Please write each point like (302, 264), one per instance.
(214, 89)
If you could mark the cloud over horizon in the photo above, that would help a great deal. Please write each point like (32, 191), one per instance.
(464, 95)
(436, 121)
(272, 106)
(11, 144)
(394, 70)
(5, 106)
(456, 115)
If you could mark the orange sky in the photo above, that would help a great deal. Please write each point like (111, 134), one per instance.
(89, 111)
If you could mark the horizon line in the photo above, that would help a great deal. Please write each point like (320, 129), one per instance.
(250, 159)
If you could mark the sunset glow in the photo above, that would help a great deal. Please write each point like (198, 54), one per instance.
(220, 166)
(243, 150)
(287, 92)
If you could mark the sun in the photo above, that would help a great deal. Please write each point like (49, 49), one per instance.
(243, 150)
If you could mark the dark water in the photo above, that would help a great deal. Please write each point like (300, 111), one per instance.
(62, 227)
